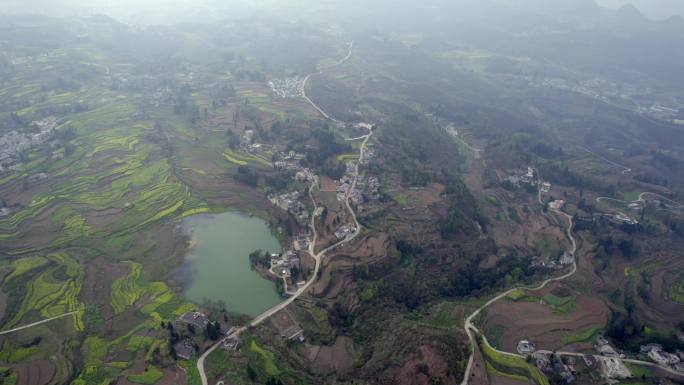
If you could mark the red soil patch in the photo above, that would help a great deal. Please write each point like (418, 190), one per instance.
(432, 193)
(35, 373)
(327, 184)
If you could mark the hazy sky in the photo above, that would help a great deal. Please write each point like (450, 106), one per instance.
(136, 11)
(657, 9)
(169, 11)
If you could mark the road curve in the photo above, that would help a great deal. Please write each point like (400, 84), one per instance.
(628, 360)
(311, 250)
(37, 323)
(308, 77)
(471, 329)
(317, 257)
(625, 170)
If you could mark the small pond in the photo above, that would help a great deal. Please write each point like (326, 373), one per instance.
(218, 262)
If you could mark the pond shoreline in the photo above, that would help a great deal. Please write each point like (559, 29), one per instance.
(216, 263)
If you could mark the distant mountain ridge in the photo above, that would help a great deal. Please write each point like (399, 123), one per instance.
(655, 9)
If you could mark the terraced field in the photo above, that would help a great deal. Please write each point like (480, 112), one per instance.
(98, 206)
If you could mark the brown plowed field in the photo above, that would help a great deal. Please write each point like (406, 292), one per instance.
(538, 323)
(35, 373)
(99, 276)
(338, 358)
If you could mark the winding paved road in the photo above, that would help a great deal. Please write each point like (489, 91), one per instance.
(311, 250)
(471, 329)
(308, 77)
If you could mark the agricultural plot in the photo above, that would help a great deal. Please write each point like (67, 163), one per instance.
(676, 291)
(267, 359)
(53, 291)
(104, 193)
(560, 305)
(512, 366)
(552, 318)
(244, 159)
(127, 290)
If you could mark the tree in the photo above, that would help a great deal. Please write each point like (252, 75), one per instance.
(172, 351)
(251, 374)
(213, 331)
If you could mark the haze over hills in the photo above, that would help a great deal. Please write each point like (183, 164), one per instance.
(349, 192)
(656, 9)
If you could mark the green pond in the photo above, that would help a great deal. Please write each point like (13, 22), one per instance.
(218, 262)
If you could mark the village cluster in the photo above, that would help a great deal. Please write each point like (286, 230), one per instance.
(291, 203)
(290, 161)
(609, 361)
(287, 87)
(561, 262)
(346, 187)
(13, 143)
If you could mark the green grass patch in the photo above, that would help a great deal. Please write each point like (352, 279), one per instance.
(244, 159)
(148, 377)
(94, 349)
(190, 367)
(233, 160)
(518, 295)
(630, 196)
(15, 354)
(501, 360)
(55, 291)
(639, 371)
(496, 372)
(494, 335)
(137, 343)
(494, 201)
(400, 199)
(348, 157)
(128, 289)
(25, 265)
(444, 316)
(560, 305)
(7, 376)
(267, 358)
(588, 335)
(676, 291)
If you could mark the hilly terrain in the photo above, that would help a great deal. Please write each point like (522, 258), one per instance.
(451, 192)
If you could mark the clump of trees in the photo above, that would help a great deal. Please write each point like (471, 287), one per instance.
(247, 176)
(629, 333)
(328, 146)
(260, 258)
(464, 212)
